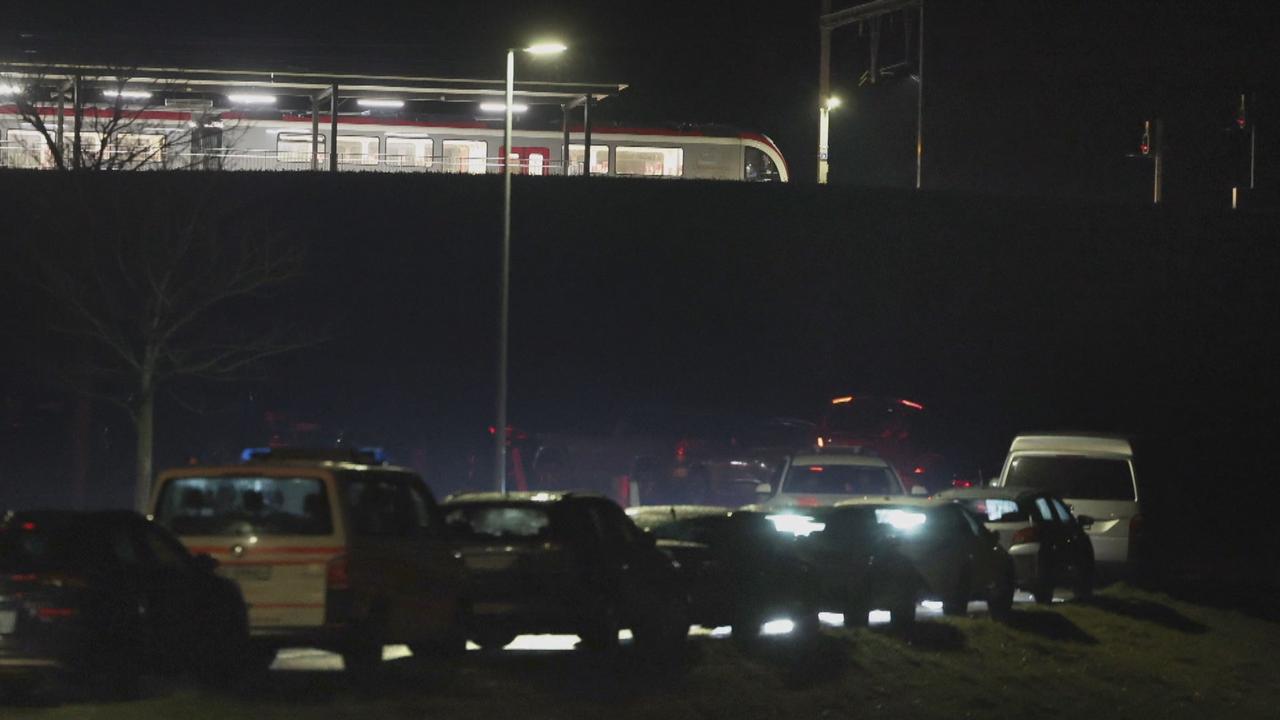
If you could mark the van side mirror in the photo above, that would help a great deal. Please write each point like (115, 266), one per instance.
(764, 489)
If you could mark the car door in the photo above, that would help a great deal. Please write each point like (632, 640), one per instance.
(178, 608)
(989, 561)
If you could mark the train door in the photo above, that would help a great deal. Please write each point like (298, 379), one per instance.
(530, 160)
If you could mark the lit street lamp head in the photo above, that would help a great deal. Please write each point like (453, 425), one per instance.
(833, 102)
(547, 48)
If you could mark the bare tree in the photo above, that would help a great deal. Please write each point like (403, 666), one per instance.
(156, 285)
(103, 122)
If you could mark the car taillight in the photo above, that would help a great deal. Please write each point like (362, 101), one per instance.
(336, 574)
(49, 613)
(1026, 535)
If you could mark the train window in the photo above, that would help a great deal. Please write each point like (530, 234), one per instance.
(535, 163)
(296, 147)
(758, 166)
(599, 159)
(358, 149)
(135, 149)
(27, 149)
(409, 151)
(652, 161)
(466, 156)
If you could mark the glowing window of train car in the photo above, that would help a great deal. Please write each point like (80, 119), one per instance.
(90, 145)
(535, 164)
(599, 159)
(135, 148)
(652, 161)
(358, 149)
(409, 151)
(757, 166)
(296, 147)
(27, 149)
(466, 156)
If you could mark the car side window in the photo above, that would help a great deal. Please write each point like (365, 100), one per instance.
(121, 548)
(1063, 513)
(160, 551)
(1043, 509)
(423, 509)
(610, 527)
(975, 527)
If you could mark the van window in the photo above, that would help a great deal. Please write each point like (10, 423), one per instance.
(1073, 476)
(244, 505)
(381, 507)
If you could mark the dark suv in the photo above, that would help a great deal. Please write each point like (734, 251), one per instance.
(564, 563)
(109, 596)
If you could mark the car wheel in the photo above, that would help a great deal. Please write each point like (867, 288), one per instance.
(1082, 589)
(902, 613)
(664, 631)
(490, 640)
(601, 633)
(956, 603)
(1000, 602)
(856, 613)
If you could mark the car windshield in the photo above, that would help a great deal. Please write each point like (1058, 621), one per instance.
(508, 523)
(1072, 476)
(244, 505)
(840, 480)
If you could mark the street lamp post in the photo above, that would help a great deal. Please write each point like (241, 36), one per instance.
(824, 135)
(504, 280)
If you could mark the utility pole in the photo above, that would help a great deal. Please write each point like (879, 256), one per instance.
(1157, 152)
(824, 91)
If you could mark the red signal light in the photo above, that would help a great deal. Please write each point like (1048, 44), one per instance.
(910, 404)
(918, 471)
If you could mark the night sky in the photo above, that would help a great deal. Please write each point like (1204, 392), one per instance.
(1029, 98)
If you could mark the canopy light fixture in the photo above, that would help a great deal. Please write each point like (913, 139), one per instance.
(376, 103)
(251, 99)
(127, 94)
(502, 107)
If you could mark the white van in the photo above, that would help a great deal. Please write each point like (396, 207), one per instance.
(1094, 474)
(331, 549)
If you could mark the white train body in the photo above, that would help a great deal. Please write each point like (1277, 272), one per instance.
(234, 141)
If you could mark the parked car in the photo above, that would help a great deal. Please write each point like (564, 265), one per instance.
(857, 559)
(1095, 475)
(564, 563)
(1049, 545)
(740, 571)
(957, 558)
(814, 479)
(110, 596)
(331, 550)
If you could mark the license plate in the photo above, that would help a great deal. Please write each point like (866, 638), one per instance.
(256, 573)
(496, 561)
(8, 620)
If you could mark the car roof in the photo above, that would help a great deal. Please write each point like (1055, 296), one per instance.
(277, 467)
(681, 512)
(990, 492)
(902, 500)
(838, 458)
(530, 497)
(1072, 443)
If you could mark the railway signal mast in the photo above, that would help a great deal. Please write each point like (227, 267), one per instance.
(871, 14)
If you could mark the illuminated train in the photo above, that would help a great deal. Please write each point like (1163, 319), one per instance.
(174, 139)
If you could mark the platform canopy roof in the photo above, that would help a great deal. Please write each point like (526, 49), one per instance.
(303, 84)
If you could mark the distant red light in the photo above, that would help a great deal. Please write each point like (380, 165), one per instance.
(910, 404)
(28, 526)
(815, 468)
(55, 613)
(963, 484)
(1145, 149)
(493, 430)
(919, 470)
